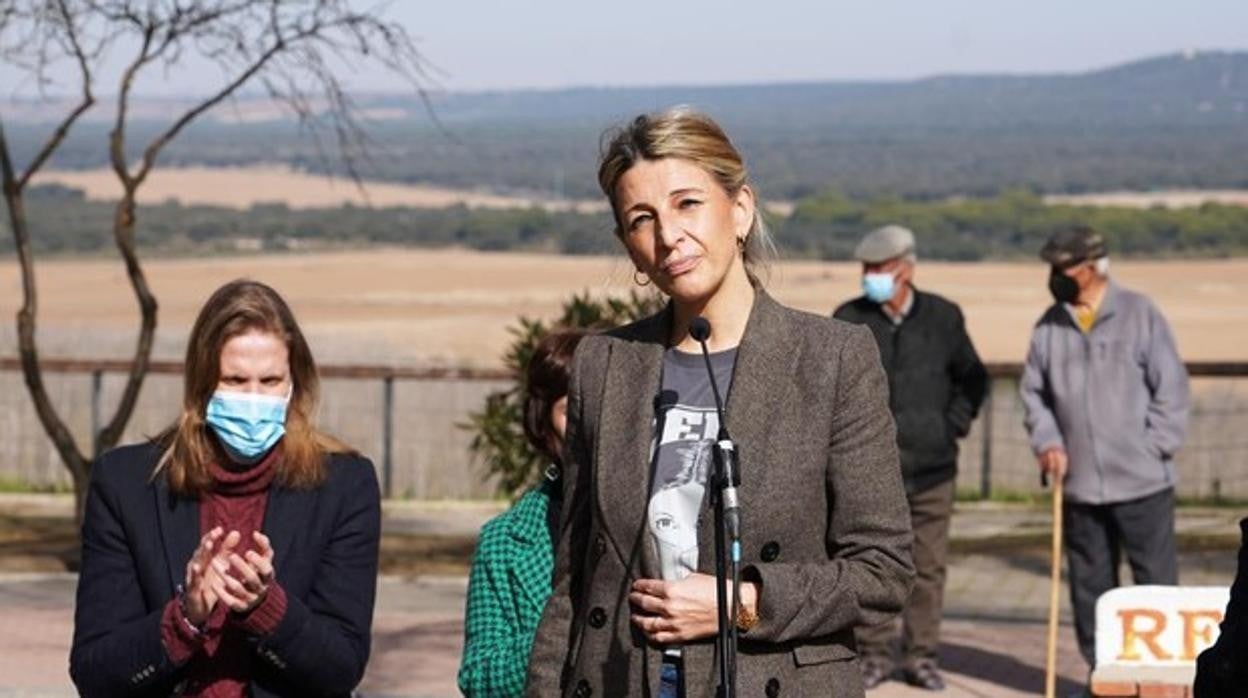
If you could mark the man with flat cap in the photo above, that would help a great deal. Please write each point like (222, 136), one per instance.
(936, 385)
(1106, 398)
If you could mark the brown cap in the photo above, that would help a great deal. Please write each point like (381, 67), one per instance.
(1072, 246)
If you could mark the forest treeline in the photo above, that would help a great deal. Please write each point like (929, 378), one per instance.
(1178, 121)
(827, 226)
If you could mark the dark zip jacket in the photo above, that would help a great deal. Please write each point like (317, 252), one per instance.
(936, 382)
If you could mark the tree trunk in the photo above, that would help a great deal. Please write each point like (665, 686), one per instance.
(80, 475)
(62, 438)
(75, 461)
(123, 235)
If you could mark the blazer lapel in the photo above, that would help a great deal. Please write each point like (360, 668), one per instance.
(178, 520)
(283, 520)
(763, 370)
(623, 460)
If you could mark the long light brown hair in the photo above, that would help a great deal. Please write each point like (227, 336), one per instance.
(685, 134)
(234, 309)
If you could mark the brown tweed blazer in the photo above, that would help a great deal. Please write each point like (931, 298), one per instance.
(825, 525)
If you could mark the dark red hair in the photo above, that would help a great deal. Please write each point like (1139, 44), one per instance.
(545, 381)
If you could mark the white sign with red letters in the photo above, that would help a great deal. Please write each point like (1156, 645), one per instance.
(1157, 625)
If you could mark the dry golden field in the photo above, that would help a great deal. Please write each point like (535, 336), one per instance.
(414, 307)
(410, 307)
(243, 187)
(1166, 198)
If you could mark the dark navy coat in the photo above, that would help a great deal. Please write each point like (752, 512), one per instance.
(137, 538)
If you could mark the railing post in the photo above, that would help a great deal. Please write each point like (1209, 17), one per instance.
(985, 459)
(387, 436)
(97, 390)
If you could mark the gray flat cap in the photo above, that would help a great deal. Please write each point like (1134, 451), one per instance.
(883, 244)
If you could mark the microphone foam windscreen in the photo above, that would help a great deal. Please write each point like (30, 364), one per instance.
(700, 328)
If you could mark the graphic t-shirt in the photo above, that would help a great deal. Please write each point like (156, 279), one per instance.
(686, 424)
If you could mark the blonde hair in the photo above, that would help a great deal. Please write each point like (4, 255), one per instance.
(234, 309)
(686, 134)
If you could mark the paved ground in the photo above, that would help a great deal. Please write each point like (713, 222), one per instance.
(975, 524)
(993, 635)
(996, 606)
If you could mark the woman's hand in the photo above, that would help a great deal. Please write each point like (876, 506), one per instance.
(198, 597)
(683, 611)
(242, 581)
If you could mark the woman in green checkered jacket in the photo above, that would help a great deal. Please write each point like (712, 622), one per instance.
(511, 571)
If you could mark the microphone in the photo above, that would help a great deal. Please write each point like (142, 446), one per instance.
(727, 527)
(725, 450)
(664, 401)
(700, 329)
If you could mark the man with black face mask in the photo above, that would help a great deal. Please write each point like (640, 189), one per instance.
(1107, 399)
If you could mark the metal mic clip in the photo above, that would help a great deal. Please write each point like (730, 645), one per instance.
(725, 452)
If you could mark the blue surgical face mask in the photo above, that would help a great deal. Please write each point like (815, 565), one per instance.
(879, 287)
(247, 424)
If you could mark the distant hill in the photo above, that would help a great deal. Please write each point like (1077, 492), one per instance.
(1181, 89)
(1172, 121)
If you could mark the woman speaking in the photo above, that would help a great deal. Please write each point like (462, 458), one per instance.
(236, 553)
(825, 533)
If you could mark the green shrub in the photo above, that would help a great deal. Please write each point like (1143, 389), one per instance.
(498, 431)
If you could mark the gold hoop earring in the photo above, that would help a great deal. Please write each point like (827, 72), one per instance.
(637, 272)
(741, 245)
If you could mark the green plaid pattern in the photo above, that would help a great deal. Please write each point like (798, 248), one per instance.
(507, 590)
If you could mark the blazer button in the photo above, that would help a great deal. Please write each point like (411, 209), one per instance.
(600, 546)
(773, 687)
(582, 689)
(771, 551)
(597, 617)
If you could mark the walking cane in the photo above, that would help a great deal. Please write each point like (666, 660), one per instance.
(1055, 585)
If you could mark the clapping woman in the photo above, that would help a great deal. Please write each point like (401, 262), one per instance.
(236, 553)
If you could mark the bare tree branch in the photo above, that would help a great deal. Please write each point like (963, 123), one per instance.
(288, 47)
(13, 189)
(117, 138)
(86, 103)
(154, 148)
(61, 437)
(123, 236)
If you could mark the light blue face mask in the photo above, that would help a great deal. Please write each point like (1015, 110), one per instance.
(879, 287)
(247, 424)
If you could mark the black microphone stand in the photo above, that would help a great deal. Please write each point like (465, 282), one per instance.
(724, 481)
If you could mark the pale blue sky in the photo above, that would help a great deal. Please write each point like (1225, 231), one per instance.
(503, 43)
(499, 44)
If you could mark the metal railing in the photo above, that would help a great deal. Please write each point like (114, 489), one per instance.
(1013, 371)
(387, 375)
(991, 436)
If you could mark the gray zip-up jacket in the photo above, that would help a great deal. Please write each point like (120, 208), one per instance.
(1115, 398)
